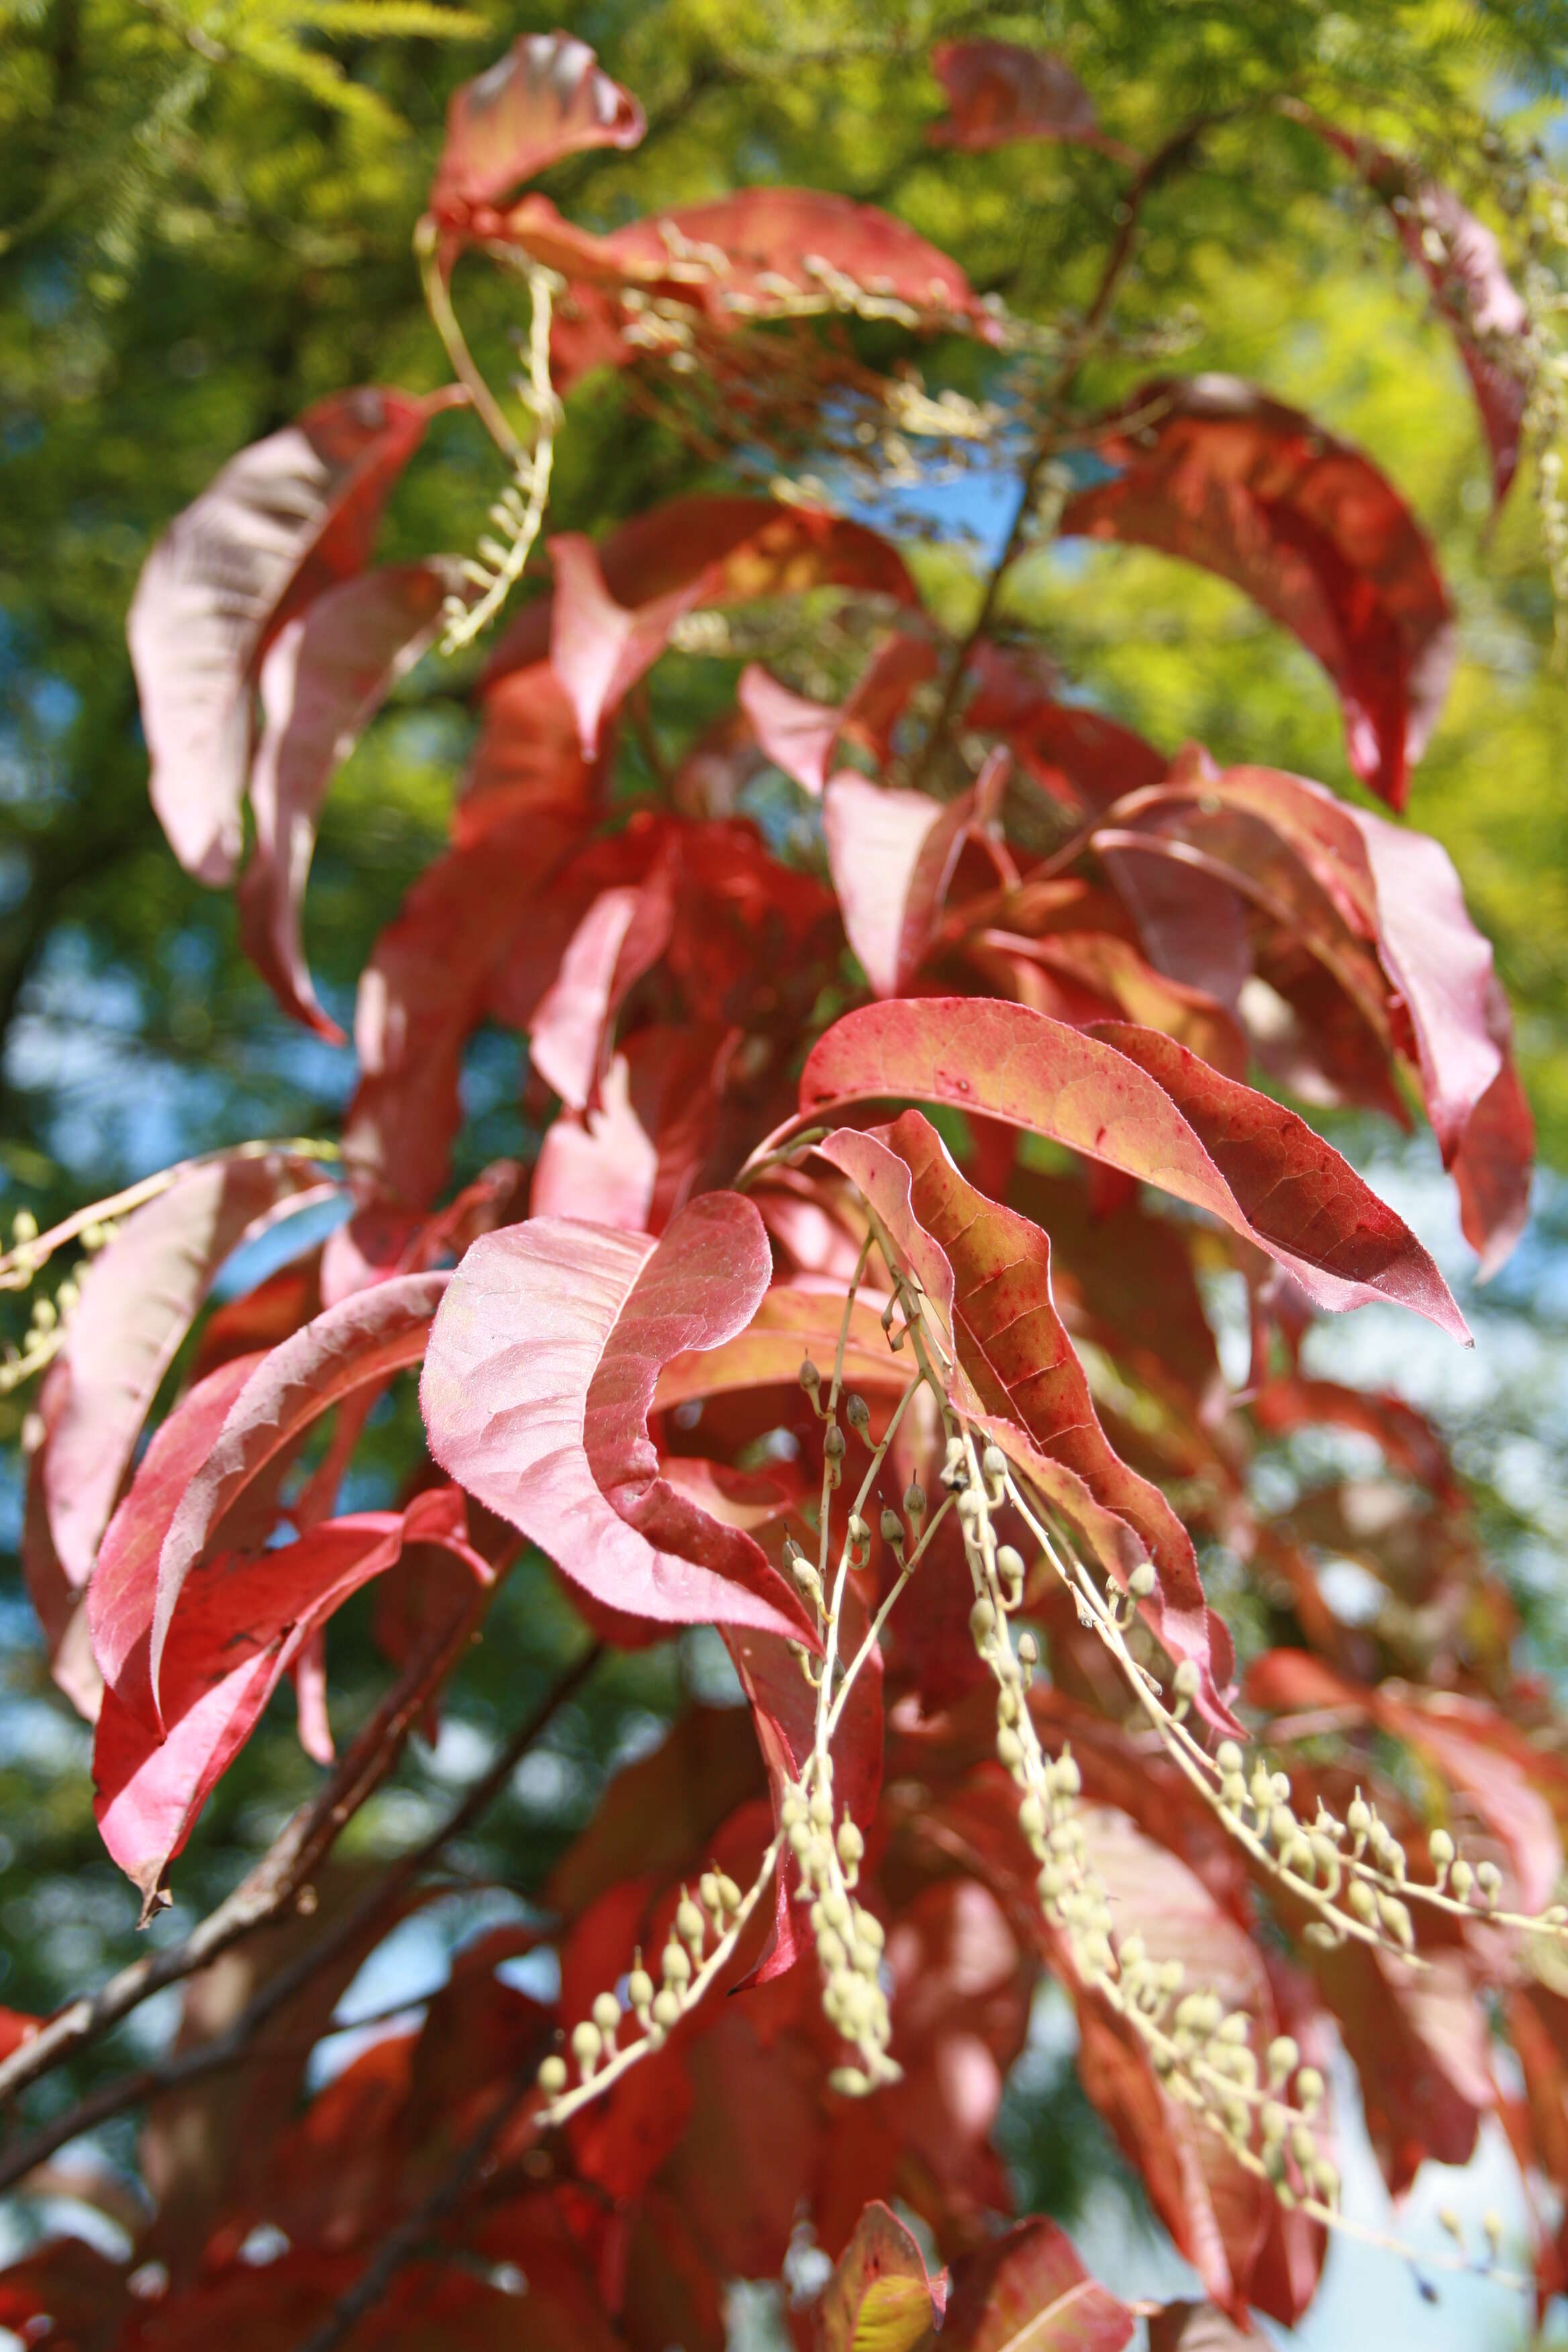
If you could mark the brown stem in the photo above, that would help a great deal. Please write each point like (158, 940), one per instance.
(1164, 160)
(229, 2047)
(402, 2244)
(273, 1885)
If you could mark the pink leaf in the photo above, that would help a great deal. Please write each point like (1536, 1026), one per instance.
(893, 855)
(536, 1393)
(597, 648)
(138, 1296)
(327, 674)
(621, 936)
(798, 736)
(633, 1159)
(874, 840)
(285, 520)
(1213, 471)
(548, 96)
(1255, 1167)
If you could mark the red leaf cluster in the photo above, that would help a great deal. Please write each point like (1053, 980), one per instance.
(739, 1283)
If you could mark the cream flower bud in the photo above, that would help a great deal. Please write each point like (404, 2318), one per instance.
(675, 1965)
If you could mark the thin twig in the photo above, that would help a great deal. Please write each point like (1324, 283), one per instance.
(1079, 344)
(402, 2244)
(228, 2048)
(272, 1887)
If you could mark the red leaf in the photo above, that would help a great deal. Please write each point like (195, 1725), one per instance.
(1076, 755)
(214, 1445)
(138, 1296)
(1397, 890)
(987, 1271)
(1418, 2040)
(880, 2297)
(242, 1619)
(1223, 477)
(379, 1241)
(1462, 263)
(327, 674)
(1216, 1144)
(597, 648)
(1029, 2292)
(67, 2291)
(1491, 1170)
(529, 757)
(548, 96)
(426, 986)
(998, 91)
(119, 1597)
(756, 253)
(614, 604)
(1114, 978)
(536, 1393)
(284, 521)
(1512, 1785)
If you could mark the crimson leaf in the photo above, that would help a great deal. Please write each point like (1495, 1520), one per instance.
(1141, 1103)
(1210, 469)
